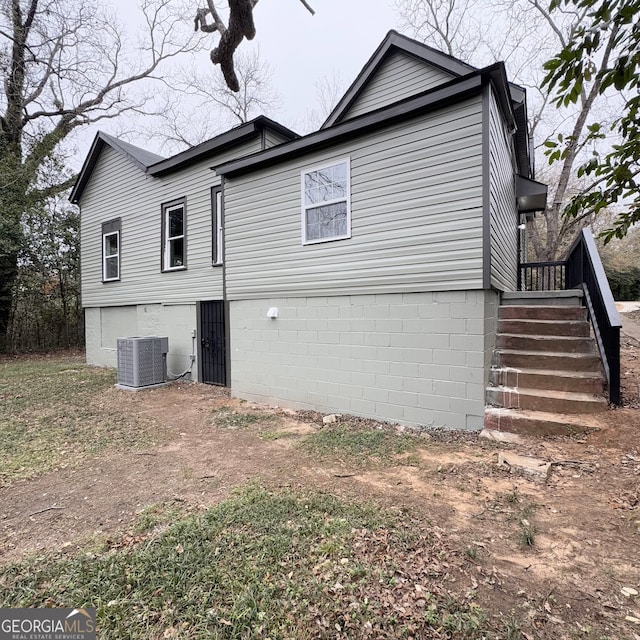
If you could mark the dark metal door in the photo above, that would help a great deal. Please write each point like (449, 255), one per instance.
(213, 354)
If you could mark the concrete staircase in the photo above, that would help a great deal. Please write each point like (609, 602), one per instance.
(546, 376)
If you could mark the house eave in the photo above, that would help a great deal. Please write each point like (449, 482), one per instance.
(161, 166)
(432, 99)
(138, 157)
(221, 142)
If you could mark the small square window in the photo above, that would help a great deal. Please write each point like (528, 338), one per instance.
(326, 205)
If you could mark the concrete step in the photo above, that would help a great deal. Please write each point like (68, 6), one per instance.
(539, 423)
(542, 312)
(546, 400)
(571, 297)
(574, 328)
(546, 360)
(581, 381)
(563, 344)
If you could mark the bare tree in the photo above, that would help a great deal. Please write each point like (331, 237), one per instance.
(329, 89)
(448, 25)
(65, 64)
(200, 105)
(523, 34)
(256, 95)
(240, 25)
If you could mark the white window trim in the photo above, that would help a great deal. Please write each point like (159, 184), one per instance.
(113, 255)
(166, 253)
(305, 206)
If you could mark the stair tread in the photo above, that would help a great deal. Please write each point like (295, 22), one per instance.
(567, 354)
(543, 336)
(553, 393)
(584, 419)
(542, 321)
(541, 306)
(565, 373)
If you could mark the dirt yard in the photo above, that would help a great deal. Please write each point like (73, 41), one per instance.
(565, 549)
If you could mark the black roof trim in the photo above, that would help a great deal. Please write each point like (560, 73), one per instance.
(431, 99)
(141, 158)
(220, 142)
(156, 165)
(397, 41)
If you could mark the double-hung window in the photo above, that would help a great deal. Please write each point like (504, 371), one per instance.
(326, 203)
(111, 250)
(174, 238)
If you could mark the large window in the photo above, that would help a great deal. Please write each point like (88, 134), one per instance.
(174, 239)
(216, 226)
(326, 207)
(111, 250)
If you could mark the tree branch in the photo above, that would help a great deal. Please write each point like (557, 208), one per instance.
(241, 25)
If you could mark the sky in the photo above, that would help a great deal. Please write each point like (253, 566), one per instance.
(300, 48)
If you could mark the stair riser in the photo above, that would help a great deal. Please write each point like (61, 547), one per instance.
(539, 361)
(527, 312)
(545, 343)
(512, 379)
(532, 426)
(576, 328)
(515, 400)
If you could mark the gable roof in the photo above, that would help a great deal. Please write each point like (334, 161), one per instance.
(395, 42)
(428, 100)
(141, 158)
(220, 142)
(155, 165)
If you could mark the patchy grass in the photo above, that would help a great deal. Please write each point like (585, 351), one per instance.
(358, 445)
(51, 416)
(227, 418)
(264, 565)
(157, 515)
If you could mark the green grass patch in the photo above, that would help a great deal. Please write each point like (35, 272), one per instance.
(52, 415)
(261, 565)
(358, 445)
(157, 515)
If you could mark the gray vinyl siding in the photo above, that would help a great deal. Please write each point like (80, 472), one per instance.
(273, 138)
(502, 203)
(416, 215)
(400, 76)
(119, 189)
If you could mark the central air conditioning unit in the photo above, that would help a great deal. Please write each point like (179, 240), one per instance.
(142, 361)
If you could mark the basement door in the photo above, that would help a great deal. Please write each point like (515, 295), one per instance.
(213, 351)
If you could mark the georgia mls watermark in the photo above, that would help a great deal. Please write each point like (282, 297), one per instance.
(48, 624)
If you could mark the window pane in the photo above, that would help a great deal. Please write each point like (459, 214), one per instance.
(111, 268)
(325, 184)
(328, 221)
(111, 244)
(176, 227)
(340, 172)
(176, 257)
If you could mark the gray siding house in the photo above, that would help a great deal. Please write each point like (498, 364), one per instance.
(356, 270)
